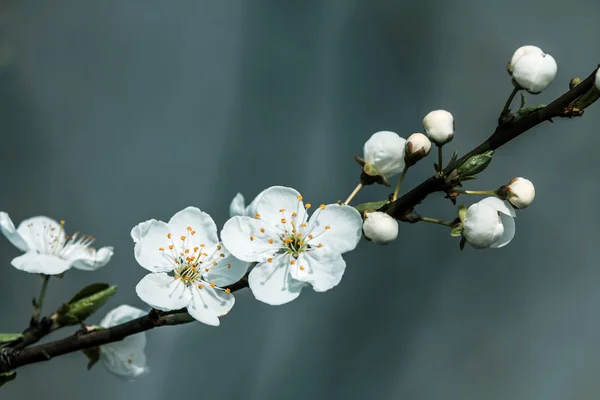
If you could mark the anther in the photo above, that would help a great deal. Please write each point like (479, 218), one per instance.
(169, 236)
(282, 210)
(319, 245)
(227, 290)
(283, 220)
(327, 227)
(251, 238)
(218, 247)
(228, 265)
(257, 216)
(262, 230)
(299, 197)
(171, 247)
(62, 222)
(189, 228)
(310, 236)
(302, 268)
(200, 286)
(303, 225)
(212, 284)
(322, 206)
(206, 269)
(307, 206)
(222, 255)
(193, 232)
(214, 263)
(294, 214)
(175, 277)
(293, 262)
(269, 259)
(183, 238)
(202, 245)
(196, 249)
(187, 251)
(270, 241)
(162, 249)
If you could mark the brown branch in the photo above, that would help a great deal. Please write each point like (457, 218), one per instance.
(11, 359)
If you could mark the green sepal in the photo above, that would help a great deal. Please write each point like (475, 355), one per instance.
(456, 230)
(475, 164)
(462, 211)
(463, 241)
(7, 377)
(93, 355)
(86, 302)
(10, 337)
(371, 206)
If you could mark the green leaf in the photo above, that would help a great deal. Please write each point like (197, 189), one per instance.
(475, 164)
(93, 355)
(371, 206)
(456, 230)
(10, 337)
(7, 377)
(89, 291)
(84, 303)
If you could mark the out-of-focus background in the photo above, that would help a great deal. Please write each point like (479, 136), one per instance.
(115, 112)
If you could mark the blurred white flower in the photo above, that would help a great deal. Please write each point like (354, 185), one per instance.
(48, 249)
(532, 69)
(291, 250)
(385, 152)
(126, 358)
(189, 267)
(380, 227)
(439, 126)
(520, 192)
(489, 223)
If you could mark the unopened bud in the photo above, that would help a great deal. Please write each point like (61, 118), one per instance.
(532, 70)
(439, 126)
(417, 147)
(384, 154)
(519, 192)
(520, 52)
(380, 228)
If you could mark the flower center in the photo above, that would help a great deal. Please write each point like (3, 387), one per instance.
(55, 242)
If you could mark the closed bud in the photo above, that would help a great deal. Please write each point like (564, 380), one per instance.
(384, 154)
(520, 52)
(380, 228)
(519, 192)
(597, 80)
(417, 147)
(532, 69)
(439, 126)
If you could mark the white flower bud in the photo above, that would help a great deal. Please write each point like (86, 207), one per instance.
(417, 147)
(385, 151)
(489, 223)
(439, 126)
(597, 80)
(519, 192)
(522, 51)
(534, 72)
(380, 228)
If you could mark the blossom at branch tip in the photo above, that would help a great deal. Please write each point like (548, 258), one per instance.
(489, 223)
(385, 152)
(439, 126)
(380, 227)
(520, 192)
(126, 358)
(292, 251)
(532, 69)
(189, 267)
(48, 249)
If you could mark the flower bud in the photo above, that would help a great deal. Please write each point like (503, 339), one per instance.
(439, 126)
(597, 80)
(489, 223)
(520, 52)
(417, 147)
(384, 151)
(534, 71)
(519, 192)
(380, 228)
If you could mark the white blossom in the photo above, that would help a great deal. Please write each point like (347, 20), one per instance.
(189, 267)
(532, 69)
(238, 206)
(292, 251)
(523, 51)
(48, 249)
(380, 227)
(439, 126)
(385, 151)
(489, 223)
(126, 358)
(520, 192)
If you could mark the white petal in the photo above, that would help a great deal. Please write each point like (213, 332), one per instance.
(272, 283)
(40, 232)
(147, 251)
(37, 263)
(199, 221)
(163, 292)
(140, 230)
(523, 51)
(92, 259)
(385, 151)
(482, 225)
(345, 226)
(322, 269)
(277, 198)
(120, 315)
(228, 270)
(502, 206)
(237, 206)
(251, 209)
(208, 304)
(126, 358)
(535, 72)
(508, 233)
(8, 229)
(242, 237)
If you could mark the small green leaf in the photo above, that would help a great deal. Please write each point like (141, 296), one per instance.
(475, 164)
(7, 377)
(93, 355)
(463, 241)
(10, 337)
(372, 206)
(89, 291)
(456, 230)
(462, 211)
(84, 304)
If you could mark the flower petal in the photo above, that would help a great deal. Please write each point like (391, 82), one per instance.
(37, 263)
(502, 206)
(40, 233)
(163, 292)
(237, 206)
(242, 237)
(91, 260)
(228, 270)
(322, 269)
(272, 283)
(120, 315)
(251, 209)
(508, 234)
(140, 230)
(277, 198)
(147, 251)
(200, 222)
(208, 304)
(126, 358)
(345, 227)
(8, 229)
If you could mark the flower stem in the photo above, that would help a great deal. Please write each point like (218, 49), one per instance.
(436, 221)
(440, 166)
(506, 108)
(397, 190)
(483, 192)
(354, 192)
(37, 309)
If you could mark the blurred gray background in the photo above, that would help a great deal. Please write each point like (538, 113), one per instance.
(113, 112)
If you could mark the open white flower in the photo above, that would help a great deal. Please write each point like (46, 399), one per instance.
(380, 227)
(238, 206)
(126, 358)
(520, 192)
(189, 267)
(439, 126)
(385, 151)
(532, 69)
(291, 250)
(48, 249)
(489, 223)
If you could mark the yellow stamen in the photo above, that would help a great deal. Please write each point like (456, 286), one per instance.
(162, 249)
(200, 286)
(212, 284)
(327, 227)
(227, 290)
(299, 197)
(251, 238)
(307, 206)
(169, 236)
(282, 210)
(269, 260)
(322, 206)
(257, 216)
(214, 263)
(171, 247)
(302, 268)
(283, 220)
(262, 230)
(270, 241)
